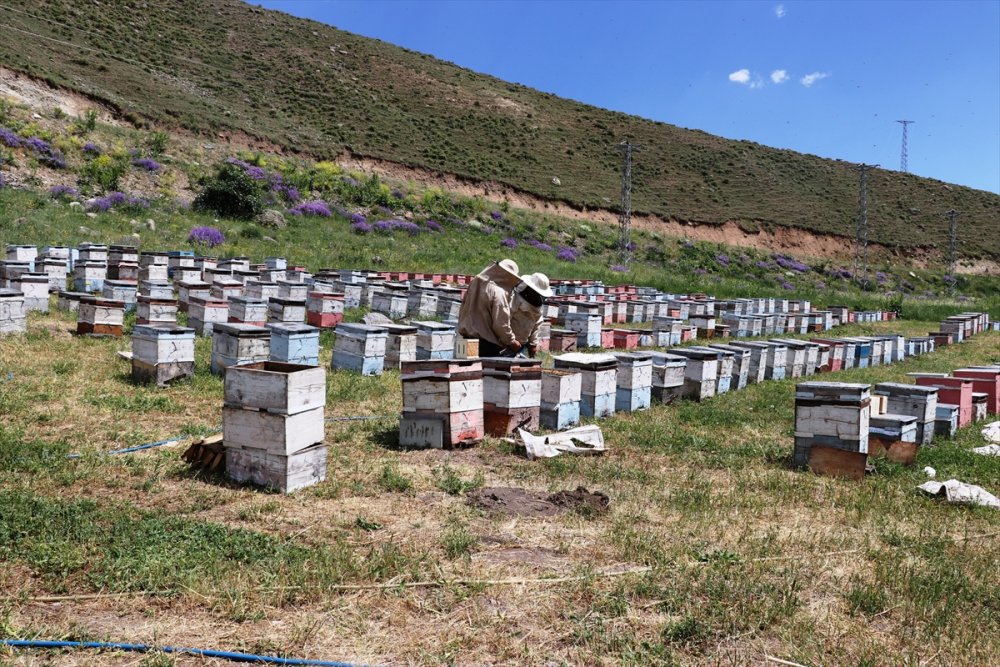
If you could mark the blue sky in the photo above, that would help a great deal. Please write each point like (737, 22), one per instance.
(827, 78)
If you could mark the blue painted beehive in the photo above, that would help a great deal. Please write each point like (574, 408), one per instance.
(294, 343)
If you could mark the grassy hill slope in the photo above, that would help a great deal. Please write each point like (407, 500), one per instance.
(311, 88)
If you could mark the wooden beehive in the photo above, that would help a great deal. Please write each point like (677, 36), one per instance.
(435, 340)
(13, 316)
(560, 399)
(400, 345)
(149, 310)
(739, 365)
(100, 316)
(35, 288)
(954, 391)
(121, 290)
(587, 326)
(57, 271)
(915, 401)
(598, 381)
(634, 382)
(162, 353)
(946, 420)
(280, 309)
(985, 380)
(324, 309)
(204, 313)
(235, 344)
(89, 276)
(701, 374)
(294, 343)
(247, 310)
(834, 416)
(512, 394)
(225, 288)
(392, 301)
(442, 403)
(360, 348)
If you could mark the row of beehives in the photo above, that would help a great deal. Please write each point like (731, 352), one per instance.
(838, 426)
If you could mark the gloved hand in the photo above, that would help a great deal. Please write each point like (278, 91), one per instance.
(532, 351)
(512, 349)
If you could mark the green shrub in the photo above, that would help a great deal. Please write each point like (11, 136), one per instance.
(104, 171)
(231, 193)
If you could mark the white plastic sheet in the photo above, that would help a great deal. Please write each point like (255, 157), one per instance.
(958, 492)
(992, 433)
(582, 440)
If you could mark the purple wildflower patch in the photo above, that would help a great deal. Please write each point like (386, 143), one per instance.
(699, 272)
(10, 138)
(821, 285)
(358, 218)
(566, 254)
(763, 265)
(314, 208)
(361, 227)
(844, 274)
(619, 268)
(509, 243)
(949, 280)
(90, 148)
(350, 181)
(534, 243)
(787, 286)
(723, 260)
(790, 264)
(496, 215)
(146, 163)
(433, 225)
(63, 192)
(207, 236)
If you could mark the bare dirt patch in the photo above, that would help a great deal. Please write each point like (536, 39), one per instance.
(522, 502)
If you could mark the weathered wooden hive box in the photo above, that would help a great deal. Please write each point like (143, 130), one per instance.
(740, 371)
(123, 254)
(442, 403)
(69, 301)
(832, 427)
(186, 274)
(701, 374)
(224, 288)
(435, 340)
(149, 310)
(204, 313)
(421, 303)
(667, 331)
(954, 391)
(153, 266)
(121, 290)
(985, 380)
(400, 344)
(668, 376)
(234, 264)
(324, 309)
(560, 399)
(635, 311)
(625, 339)
(179, 259)
(894, 436)
(236, 344)
(795, 359)
(93, 252)
(89, 276)
(276, 263)
(13, 315)
(562, 340)
(260, 289)
(917, 401)
(946, 420)
(835, 355)
(188, 290)
(280, 309)
(756, 362)
(294, 343)
(980, 401)
(607, 339)
(22, 253)
(273, 425)
(247, 310)
(57, 271)
(634, 382)
(270, 275)
(599, 381)
(448, 307)
(162, 353)
(35, 288)
(392, 301)
(512, 394)
(468, 348)
(587, 326)
(292, 290)
(100, 316)
(360, 348)
(726, 361)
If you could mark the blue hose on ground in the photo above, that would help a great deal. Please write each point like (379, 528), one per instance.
(145, 648)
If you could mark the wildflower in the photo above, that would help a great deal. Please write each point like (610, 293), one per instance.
(10, 138)
(146, 163)
(820, 285)
(63, 192)
(312, 208)
(509, 243)
(207, 236)
(534, 243)
(763, 265)
(788, 286)
(433, 226)
(357, 218)
(90, 148)
(361, 227)
(722, 259)
(619, 268)
(496, 215)
(699, 271)
(350, 181)
(786, 262)
(566, 254)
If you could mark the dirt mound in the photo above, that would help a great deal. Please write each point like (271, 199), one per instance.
(522, 502)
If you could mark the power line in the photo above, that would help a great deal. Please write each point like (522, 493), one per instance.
(952, 240)
(625, 219)
(903, 157)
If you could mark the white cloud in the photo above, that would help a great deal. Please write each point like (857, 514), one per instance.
(780, 12)
(810, 79)
(740, 76)
(779, 76)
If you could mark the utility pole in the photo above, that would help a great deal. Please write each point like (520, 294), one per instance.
(861, 227)
(952, 240)
(625, 219)
(903, 157)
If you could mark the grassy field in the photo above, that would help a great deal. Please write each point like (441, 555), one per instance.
(310, 89)
(713, 551)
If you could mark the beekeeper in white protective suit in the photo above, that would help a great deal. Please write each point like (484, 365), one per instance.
(527, 301)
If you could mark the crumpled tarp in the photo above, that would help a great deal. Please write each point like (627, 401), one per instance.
(988, 450)
(582, 440)
(955, 491)
(992, 433)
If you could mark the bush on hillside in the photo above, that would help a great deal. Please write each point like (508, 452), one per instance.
(231, 193)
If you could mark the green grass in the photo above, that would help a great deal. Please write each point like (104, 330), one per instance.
(313, 89)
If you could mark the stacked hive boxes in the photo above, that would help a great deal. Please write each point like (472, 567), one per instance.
(561, 391)
(162, 353)
(512, 394)
(35, 288)
(701, 374)
(152, 310)
(400, 346)
(442, 403)
(952, 391)
(273, 425)
(360, 348)
(668, 376)
(831, 427)
(13, 317)
(280, 309)
(392, 301)
(204, 313)
(914, 401)
(756, 360)
(153, 266)
(985, 380)
(599, 381)
(740, 366)
(121, 290)
(324, 309)
(634, 382)
(100, 316)
(188, 290)
(587, 326)
(247, 310)
(294, 343)
(239, 345)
